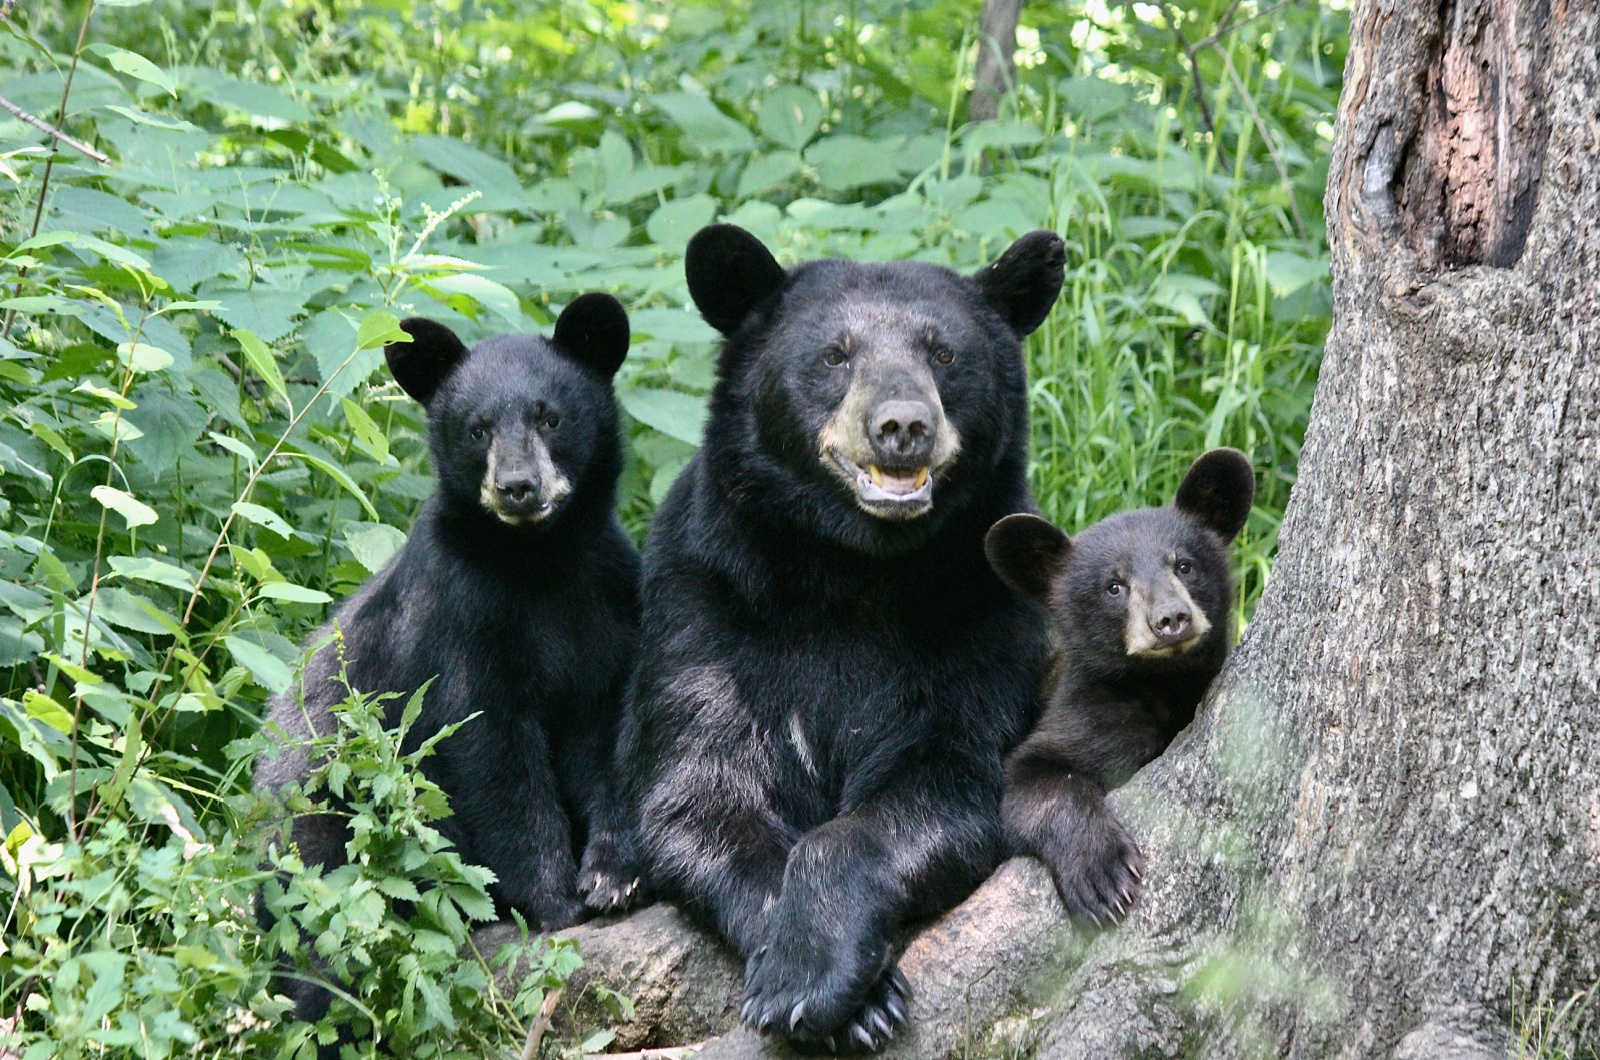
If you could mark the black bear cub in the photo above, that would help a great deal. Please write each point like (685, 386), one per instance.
(1141, 605)
(829, 672)
(517, 593)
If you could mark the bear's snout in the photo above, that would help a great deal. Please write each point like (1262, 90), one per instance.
(521, 483)
(902, 433)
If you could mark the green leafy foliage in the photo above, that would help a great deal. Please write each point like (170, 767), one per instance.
(200, 454)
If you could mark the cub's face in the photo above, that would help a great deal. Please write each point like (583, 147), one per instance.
(1141, 588)
(873, 391)
(519, 423)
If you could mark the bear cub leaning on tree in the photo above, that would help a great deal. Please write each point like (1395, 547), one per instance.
(1141, 604)
(517, 594)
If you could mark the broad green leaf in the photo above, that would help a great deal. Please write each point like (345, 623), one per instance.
(706, 129)
(379, 328)
(266, 312)
(790, 115)
(674, 222)
(150, 569)
(258, 100)
(109, 396)
(338, 476)
(143, 357)
(367, 432)
(258, 355)
(1288, 272)
(41, 707)
(673, 413)
(137, 66)
(143, 117)
(493, 296)
(235, 446)
(122, 608)
(270, 672)
(845, 162)
(373, 544)
(134, 512)
(767, 171)
(297, 594)
(263, 516)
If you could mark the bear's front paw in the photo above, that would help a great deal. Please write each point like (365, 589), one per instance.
(1099, 870)
(821, 999)
(609, 880)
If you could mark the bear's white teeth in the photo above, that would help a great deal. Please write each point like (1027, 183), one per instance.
(897, 484)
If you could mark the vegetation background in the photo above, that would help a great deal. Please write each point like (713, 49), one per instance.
(201, 454)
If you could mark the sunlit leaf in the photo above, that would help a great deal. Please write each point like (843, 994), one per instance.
(134, 512)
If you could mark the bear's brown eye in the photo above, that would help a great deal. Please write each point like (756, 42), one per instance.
(834, 356)
(944, 356)
(1115, 588)
(1185, 567)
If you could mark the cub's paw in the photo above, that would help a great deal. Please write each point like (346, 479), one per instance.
(609, 880)
(1099, 871)
(821, 999)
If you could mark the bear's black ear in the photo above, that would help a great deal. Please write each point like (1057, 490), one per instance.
(1218, 491)
(419, 366)
(1024, 282)
(730, 272)
(593, 330)
(1028, 553)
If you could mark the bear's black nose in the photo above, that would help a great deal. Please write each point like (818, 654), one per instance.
(1171, 624)
(517, 494)
(903, 431)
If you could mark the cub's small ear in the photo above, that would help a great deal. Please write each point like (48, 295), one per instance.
(1028, 553)
(1218, 491)
(1024, 282)
(730, 273)
(419, 366)
(593, 330)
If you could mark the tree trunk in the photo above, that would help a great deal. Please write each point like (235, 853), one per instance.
(997, 47)
(1382, 836)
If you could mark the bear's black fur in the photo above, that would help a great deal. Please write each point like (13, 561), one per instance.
(1141, 605)
(830, 674)
(517, 592)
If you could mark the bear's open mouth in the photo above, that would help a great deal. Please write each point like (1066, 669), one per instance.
(888, 492)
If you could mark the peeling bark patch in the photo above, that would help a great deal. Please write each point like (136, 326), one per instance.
(1470, 180)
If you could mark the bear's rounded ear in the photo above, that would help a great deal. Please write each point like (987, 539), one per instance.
(1218, 491)
(1029, 554)
(419, 366)
(730, 272)
(1024, 282)
(593, 330)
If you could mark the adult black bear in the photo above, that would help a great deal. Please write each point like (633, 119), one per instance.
(517, 593)
(830, 673)
(1142, 606)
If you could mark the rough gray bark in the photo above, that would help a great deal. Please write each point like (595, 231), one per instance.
(1381, 837)
(997, 47)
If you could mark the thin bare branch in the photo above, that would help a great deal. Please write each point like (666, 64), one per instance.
(1194, 65)
(541, 1023)
(1227, 27)
(45, 127)
(1266, 138)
